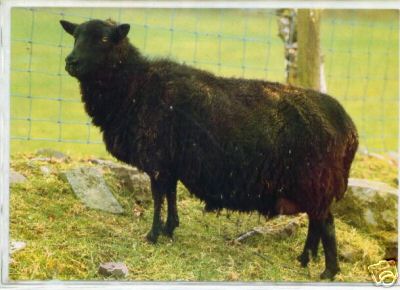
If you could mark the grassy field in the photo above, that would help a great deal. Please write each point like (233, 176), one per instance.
(360, 51)
(67, 241)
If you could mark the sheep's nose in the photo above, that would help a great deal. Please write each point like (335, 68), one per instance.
(71, 60)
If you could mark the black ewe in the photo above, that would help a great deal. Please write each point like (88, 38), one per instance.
(246, 145)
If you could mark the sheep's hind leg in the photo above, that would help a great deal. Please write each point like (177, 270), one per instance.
(158, 198)
(328, 238)
(172, 215)
(312, 242)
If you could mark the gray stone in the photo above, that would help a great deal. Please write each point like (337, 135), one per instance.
(88, 184)
(116, 269)
(391, 157)
(371, 186)
(281, 227)
(51, 153)
(46, 171)
(134, 181)
(377, 156)
(111, 164)
(368, 205)
(16, 177)
(350, 254)
(394, 157)
(117, 168)
(41, 159)
(16, 246)
(102, 162)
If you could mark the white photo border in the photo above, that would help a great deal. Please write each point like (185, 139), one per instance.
(5, 44)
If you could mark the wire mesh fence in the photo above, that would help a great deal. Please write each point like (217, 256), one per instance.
(360, 53)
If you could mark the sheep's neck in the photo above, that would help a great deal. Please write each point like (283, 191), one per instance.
(107, 96)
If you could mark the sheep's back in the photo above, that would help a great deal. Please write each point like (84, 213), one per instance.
(246, 143)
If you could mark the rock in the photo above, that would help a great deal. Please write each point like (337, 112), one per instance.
(41, 159)
(51, 153)
(391, 157)
(394, 157)
(377, 156)
(46, 171)
(118, 168)
(280, 227)
(16, 177)
(281, 231)
(368, 205)
(371, 207)
(134, 182)
(116, 269)
(350, 254)
(16, 246)
(130, 178)
(88, 185)
(107, 163)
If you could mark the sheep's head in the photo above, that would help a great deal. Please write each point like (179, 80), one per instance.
(97, 47)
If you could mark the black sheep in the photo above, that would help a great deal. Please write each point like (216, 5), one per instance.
(245, 145)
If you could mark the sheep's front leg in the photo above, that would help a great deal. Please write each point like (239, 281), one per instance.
(158, 198)
(161, 186)
(172, 217)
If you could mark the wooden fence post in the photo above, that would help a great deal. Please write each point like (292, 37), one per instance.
(308, 53)
(300, 33)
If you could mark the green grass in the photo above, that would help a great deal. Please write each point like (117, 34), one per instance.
(360, 50)
(67, 241)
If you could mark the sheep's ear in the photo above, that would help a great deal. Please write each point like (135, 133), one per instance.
(69, 27)
(120, 32)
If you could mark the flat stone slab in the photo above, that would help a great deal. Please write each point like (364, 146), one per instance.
(281, 227)
(369, 205)
(394, 157)
(371, 187)
(134, 181)
(46, 171)
(16, 246)
(116, 269)
(16, 177)
(51, 153)
(88, 184)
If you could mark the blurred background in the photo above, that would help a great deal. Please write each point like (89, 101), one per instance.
(359, 48)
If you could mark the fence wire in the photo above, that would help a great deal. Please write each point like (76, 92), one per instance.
(360, 54)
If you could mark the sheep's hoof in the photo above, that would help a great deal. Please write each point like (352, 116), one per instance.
(303, 259)
(168, 231)
(170, 226)
(329, 274)
(152, 237)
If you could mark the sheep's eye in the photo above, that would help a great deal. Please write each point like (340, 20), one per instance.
(104, 39)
